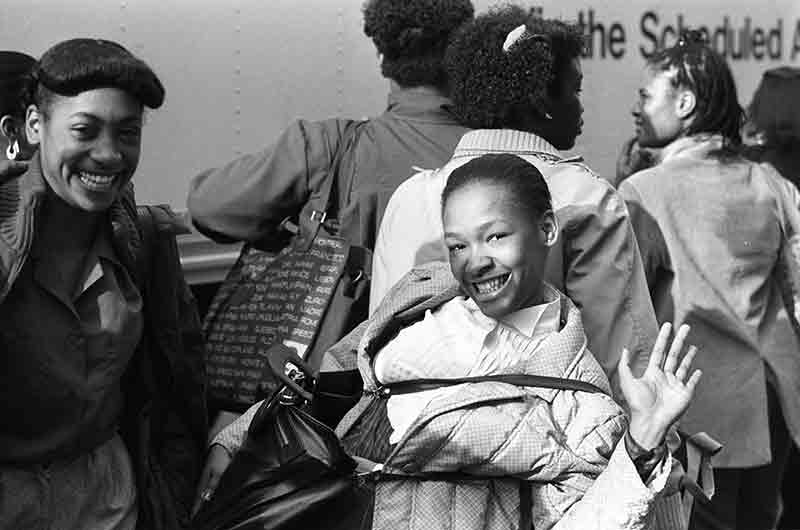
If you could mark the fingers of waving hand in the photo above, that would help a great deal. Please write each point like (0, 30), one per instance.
(657, 355)
(663, 390)
(675, 349)
(683, 370)
(675, 377)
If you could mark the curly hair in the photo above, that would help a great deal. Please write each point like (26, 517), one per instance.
(489, 86)
(703, 71)
(412, 36)
(76, 65)
(524, 184)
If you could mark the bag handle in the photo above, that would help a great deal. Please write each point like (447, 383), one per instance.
(700, 447)
(318, 205)
(559, 383)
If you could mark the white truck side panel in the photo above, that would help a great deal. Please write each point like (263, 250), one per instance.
(237, 72)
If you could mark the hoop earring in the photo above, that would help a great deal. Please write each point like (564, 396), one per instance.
(12, 150)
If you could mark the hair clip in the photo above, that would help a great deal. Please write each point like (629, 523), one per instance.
(513, 36)
(520, 34)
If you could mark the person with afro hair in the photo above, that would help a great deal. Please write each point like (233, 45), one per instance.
(411, 37)
(516, 78)
(249, 198)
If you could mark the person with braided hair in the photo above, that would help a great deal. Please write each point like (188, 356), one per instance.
(708, 223)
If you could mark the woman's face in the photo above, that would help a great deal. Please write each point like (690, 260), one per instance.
(566, 110)
(497, 252)
(89, 145)
(656, 110)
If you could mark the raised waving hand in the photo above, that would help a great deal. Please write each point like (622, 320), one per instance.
(662, 394)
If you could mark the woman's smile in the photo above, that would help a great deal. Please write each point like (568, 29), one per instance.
(98, 182)
(485, 289)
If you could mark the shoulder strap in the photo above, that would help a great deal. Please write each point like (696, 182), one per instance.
(147, 229)
(320, 200)
(152, 220)
(541, 381)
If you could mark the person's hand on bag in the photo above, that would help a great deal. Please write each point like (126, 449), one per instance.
(216, 463)
(662, 394)
(11, 169)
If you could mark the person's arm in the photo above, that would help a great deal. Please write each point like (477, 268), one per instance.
(786, 270)
(248, 198)
(649, 238)
(624, 494)
(604, 276)
(220, 453)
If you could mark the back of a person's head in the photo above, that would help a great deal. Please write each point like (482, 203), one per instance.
(412, 35)
(77, 65)
(775, 109)
(15, 70)
(694, 65)
(508, 61)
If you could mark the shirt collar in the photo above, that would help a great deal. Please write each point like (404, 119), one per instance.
(420, 103)
(537, 319)
(697, 144)
(529, 321)
(102, 244)
(482, 141)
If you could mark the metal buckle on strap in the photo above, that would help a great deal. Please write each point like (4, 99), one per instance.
(318, 216)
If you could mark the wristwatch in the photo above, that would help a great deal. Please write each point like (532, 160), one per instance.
(645, 460)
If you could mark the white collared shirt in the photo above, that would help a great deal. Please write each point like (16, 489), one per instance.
(457, 340)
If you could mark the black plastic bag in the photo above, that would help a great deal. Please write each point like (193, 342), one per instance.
(291, 472)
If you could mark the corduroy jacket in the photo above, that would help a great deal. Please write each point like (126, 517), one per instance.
(709, 229)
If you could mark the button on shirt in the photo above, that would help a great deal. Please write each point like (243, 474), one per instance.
(63, 354)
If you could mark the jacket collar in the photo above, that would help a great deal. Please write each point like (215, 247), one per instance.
(19, 202)
(696, 146)
(482, 141)
(420, 103)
